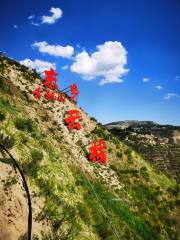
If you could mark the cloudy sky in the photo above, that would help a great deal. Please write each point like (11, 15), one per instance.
(124, 55)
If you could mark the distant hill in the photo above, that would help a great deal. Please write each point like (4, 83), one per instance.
(128, 123)
(158, 143)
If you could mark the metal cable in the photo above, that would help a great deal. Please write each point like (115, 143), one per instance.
(103, 211)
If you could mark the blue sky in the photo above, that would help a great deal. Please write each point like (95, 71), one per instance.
(124, 55)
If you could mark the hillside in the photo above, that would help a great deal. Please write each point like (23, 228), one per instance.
(73, 198)
(157, 143)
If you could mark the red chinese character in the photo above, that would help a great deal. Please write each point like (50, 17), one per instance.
(49, 95)
(61, 97)
(37, 93)
(97, 151)
(71, 120)
(50, 78)
(74, 91)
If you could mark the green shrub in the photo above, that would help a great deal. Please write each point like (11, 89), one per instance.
(24, 124)
(2, 116)
(80, 143)
(93, 119)
(144, 172)
(7, 141)
(118, 154)
(109, 150)
(10, 181)
(24, 138)
(36, 155)
(5, 105)
(115, 141)
(35, 237)
(103, 232)
(144, 192)
(83, 212)
(3, 87)
(45, 118)
(102, 133)
(52, 130)
(32, 167)
(175, 190)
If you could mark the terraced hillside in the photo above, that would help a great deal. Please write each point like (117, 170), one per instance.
(73, 198)
(166, 158)
(159, 144)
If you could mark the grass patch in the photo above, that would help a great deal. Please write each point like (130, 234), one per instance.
(36, 156)
(55, 208)
(6, 106)
(24, 124)
(133, 224)
(3, 86)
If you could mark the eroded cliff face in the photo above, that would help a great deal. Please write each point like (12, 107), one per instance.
(13, 206)
(157, 143)
(73, 198)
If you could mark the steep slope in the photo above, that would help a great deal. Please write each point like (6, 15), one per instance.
(160, 144)
(73, 198)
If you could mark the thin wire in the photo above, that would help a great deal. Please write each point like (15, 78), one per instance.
(107, 217)
(104, 212)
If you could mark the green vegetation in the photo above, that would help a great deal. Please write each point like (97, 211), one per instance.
(2, 116)
(124, 220)
(35, 237)
(55, 208)
(144, 173)
(6, 105)
(93, 119)
(23, 138)
(119, 154)
(36, 156)
(102, 132)
(11, 180)
(24, 124)
(3, 87)
(32, 166)
(175, 190)
(7, 141)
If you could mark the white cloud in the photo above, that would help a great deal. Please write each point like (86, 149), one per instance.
(170, 95)
(37, 64)
(107, 63)
(56, 14)
(158, 87)
(35, 23)
(65, 67)
(146, 79)
(54, 50)
(15, 26)
(31, 17)
(34, 20)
